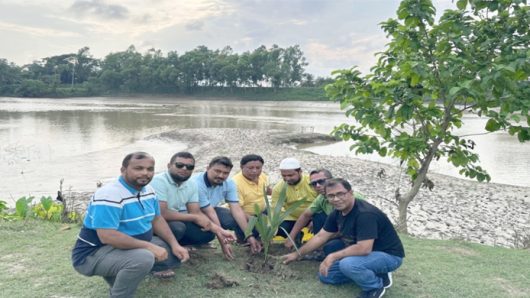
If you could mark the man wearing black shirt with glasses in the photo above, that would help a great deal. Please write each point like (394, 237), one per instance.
(364, 246)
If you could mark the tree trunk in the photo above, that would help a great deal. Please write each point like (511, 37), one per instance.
(404, 201)
(401, 224)
(403, 204)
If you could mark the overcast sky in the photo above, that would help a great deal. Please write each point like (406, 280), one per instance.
(333, 34)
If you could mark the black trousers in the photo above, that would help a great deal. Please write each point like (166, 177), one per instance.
(189, 233)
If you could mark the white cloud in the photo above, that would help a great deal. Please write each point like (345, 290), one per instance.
(332, 34)
(99, 9)
(323, 58)
(35, 31)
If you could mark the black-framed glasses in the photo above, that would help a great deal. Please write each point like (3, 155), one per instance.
(319, 181)
(180, 165)
(336, 196)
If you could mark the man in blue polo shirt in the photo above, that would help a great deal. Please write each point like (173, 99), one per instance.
(179, 203)
(215, 189)
(116, 240)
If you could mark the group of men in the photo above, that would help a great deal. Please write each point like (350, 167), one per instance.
(144, 223)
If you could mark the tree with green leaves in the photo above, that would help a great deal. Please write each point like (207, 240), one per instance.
(474, 59)
(10, 77)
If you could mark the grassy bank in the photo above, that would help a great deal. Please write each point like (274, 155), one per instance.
(253, 93)
(35, 261)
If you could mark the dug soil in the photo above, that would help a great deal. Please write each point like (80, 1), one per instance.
(211, 270)
(219, 281)
(272, 265)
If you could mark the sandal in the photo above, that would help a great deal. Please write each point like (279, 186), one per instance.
(164, 274)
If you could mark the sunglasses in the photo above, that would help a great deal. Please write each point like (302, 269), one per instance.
(319, 181)
(180, 165)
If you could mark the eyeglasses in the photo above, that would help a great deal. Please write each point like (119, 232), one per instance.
(336, 196)
(180, 165)
(319, 181)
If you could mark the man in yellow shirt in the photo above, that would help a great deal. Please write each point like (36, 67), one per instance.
(251, 182)
(298, 187)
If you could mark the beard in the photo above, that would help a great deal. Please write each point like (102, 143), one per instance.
(294, 182)
(178, 178)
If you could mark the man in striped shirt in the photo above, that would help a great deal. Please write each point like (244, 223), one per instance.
(116, 240)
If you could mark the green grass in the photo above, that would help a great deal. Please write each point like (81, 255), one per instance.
(35, 262)
(257, 94)
(250, 93)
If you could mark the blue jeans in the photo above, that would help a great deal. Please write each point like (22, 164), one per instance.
(362, 270)
(319, 219)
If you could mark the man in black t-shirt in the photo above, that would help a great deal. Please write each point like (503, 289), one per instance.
(360, 243)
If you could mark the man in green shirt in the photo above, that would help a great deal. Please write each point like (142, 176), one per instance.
(319, 208)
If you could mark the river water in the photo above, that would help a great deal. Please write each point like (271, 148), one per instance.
(83, 140)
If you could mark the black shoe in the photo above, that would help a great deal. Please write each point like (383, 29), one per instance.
(376, 293)
(387, 279)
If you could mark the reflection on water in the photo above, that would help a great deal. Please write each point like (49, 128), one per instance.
(84, 140)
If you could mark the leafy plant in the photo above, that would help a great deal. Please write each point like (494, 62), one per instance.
(4, 214)
(3, 206)
(268, 223)
(474, 60)
(23, 207)
(48, 209)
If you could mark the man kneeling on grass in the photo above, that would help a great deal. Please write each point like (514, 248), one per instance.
(116, 240)
(367, 248)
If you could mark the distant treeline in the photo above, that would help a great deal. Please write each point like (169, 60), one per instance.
(263, 72)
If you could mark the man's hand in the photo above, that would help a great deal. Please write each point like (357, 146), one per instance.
(225, 236)
(288, 258)
(288, 243)
(255, 245)
(324, 266)
(203, 222)
(159, 252)
(181, 253)
(227, 251)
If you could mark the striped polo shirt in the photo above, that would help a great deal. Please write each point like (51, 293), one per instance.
(120, 207)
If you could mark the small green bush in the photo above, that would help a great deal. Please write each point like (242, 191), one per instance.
(47, 209)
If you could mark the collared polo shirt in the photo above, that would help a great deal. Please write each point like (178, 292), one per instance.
(116, 206)
(210, 195)
(176, 196)
(250, 192)
(294, 193)
(321, 204)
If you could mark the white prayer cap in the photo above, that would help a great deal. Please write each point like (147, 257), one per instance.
(290, 163)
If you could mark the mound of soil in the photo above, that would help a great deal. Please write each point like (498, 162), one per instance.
(277, 249)
(303, 138)
(273, 266)
(219, 281)
(200, 256)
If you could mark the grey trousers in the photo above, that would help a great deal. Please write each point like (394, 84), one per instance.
(124, 269)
